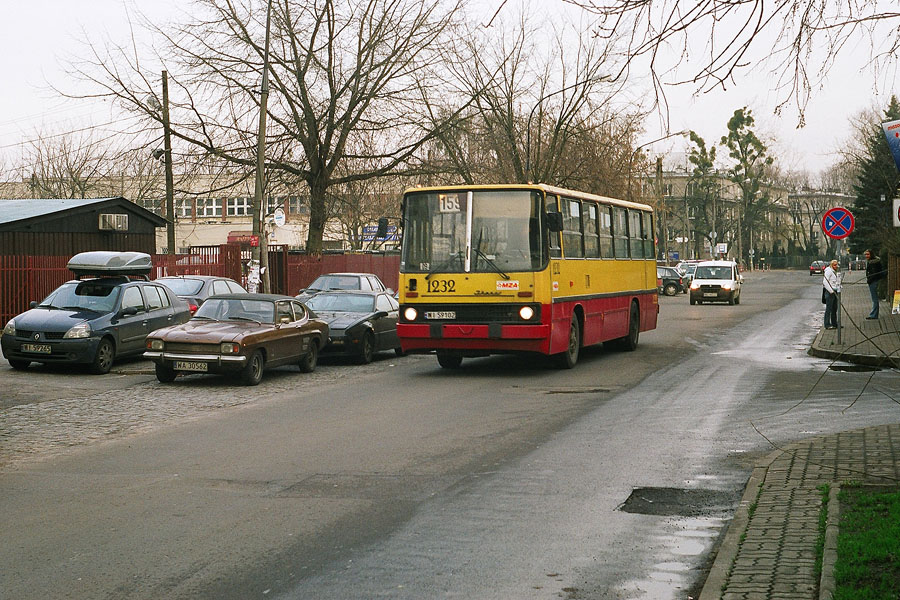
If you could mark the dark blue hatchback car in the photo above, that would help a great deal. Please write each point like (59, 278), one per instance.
(95, 320)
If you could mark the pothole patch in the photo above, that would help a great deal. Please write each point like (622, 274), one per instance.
(677, 502)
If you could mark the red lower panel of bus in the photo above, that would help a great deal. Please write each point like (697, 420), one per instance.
(604, 319)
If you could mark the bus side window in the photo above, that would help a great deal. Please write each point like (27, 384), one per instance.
(591, 243)
(635, 235)
(620, 231)
(551, 206)
(649, 250)
(606, 235)
(572, 240)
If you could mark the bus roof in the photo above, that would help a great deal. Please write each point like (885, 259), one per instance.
(549, 189)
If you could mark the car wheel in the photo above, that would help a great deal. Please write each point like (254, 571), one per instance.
(670, 289)
(399, 351)
(449, 361)
(737, 299)
(731, 299)
(165, 374)
(693, 301)
(19, 365)
(253, 371)
(310, 359)
(103, 360)
(568, 358)
(366, 349)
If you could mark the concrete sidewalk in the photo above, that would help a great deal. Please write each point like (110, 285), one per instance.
(769, 550)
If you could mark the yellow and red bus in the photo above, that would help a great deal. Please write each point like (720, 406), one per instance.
(499, 269)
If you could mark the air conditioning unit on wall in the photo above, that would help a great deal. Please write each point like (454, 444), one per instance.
(113, 222)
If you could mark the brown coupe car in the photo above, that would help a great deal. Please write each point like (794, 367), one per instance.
(242, 334)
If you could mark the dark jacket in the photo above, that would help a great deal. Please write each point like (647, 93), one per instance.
(875, 270)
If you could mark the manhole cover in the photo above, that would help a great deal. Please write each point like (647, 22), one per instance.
(672, 502)
(853, 368)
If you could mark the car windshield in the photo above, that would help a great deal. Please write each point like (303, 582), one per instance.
(83, 295)
(335, 282)
(713, 273)
(182, 286)
(325, 302)
(689, 269)
(233, 309)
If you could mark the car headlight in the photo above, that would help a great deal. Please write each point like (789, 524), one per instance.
(10, 328)
(82, 330)
(410, 314)
(695, 285)
(727, 286)
(230, 348)
(155, 344)
(526, 312)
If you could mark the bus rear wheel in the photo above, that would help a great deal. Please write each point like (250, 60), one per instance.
(449, 361)
(630, 341)
(568, 358)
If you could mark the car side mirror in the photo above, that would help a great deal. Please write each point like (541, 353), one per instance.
(129, 311)
(381, 314)
(32, 304)
(554, 221)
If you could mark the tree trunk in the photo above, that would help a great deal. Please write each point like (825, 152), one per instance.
(317, 215)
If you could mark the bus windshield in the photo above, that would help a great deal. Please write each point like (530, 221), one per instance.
(505, 233)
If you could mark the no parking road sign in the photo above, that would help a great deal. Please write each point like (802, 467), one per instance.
(838, 222)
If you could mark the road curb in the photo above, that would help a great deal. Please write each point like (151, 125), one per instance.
(829, 552)
(725, 557)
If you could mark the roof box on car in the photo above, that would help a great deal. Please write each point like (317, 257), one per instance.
(110, 263)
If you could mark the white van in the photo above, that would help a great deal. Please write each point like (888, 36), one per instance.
(716, 281)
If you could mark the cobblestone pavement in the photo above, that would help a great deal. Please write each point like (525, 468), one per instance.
(38, 430)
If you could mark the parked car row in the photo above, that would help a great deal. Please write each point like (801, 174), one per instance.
(195, 324)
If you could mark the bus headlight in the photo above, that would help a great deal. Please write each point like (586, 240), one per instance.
(410, 314)
(526, 312)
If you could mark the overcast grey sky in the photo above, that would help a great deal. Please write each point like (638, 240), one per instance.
(37, 35)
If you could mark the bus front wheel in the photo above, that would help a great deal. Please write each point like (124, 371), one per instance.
(569, 357)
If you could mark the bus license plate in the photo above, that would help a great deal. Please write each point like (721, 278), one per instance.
(181, 365)
(441, 314)
(36, 348)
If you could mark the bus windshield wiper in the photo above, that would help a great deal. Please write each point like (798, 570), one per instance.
(491, 263)
(445, 264)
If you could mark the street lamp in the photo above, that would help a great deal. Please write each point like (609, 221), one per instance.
(645, 144)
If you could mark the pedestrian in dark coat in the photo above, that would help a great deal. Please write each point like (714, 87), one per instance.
(875, 272)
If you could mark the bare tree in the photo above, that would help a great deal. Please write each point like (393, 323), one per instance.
(340, 70)
(729, 31)
(537, 115)
(72, 165)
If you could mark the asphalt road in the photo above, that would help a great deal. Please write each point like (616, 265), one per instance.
(506, 479)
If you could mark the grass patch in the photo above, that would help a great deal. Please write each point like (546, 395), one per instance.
(868, 553)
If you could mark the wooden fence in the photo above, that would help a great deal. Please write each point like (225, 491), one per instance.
(30, 278)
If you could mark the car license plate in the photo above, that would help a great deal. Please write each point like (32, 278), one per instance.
(182, 365)
(710, 295)
(36, 348)
(441, 314)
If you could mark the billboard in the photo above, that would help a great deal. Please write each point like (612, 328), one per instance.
(892, 133)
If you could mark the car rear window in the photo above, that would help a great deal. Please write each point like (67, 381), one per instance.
(182, 286)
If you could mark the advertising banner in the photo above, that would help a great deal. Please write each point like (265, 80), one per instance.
(892, 133)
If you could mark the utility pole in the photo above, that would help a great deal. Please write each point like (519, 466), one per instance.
(662, 209)
(170, 193)
(259, 253)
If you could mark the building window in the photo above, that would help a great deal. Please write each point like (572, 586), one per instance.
(298, 205)
(667, 189)
(274, 202)
(184, 208)
(238, 207)
(209, 207)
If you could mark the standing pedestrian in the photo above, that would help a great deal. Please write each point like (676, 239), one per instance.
(875, 272)
(831, 281)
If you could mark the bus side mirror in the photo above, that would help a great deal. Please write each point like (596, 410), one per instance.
(554, 221)
(382, 228)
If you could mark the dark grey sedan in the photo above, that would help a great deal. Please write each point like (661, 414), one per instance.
(360, 323)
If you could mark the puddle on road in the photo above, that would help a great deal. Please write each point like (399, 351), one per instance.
(676, 502)
(854, 368)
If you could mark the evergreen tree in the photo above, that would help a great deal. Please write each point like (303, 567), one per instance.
(875, 188)
(703, 190)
